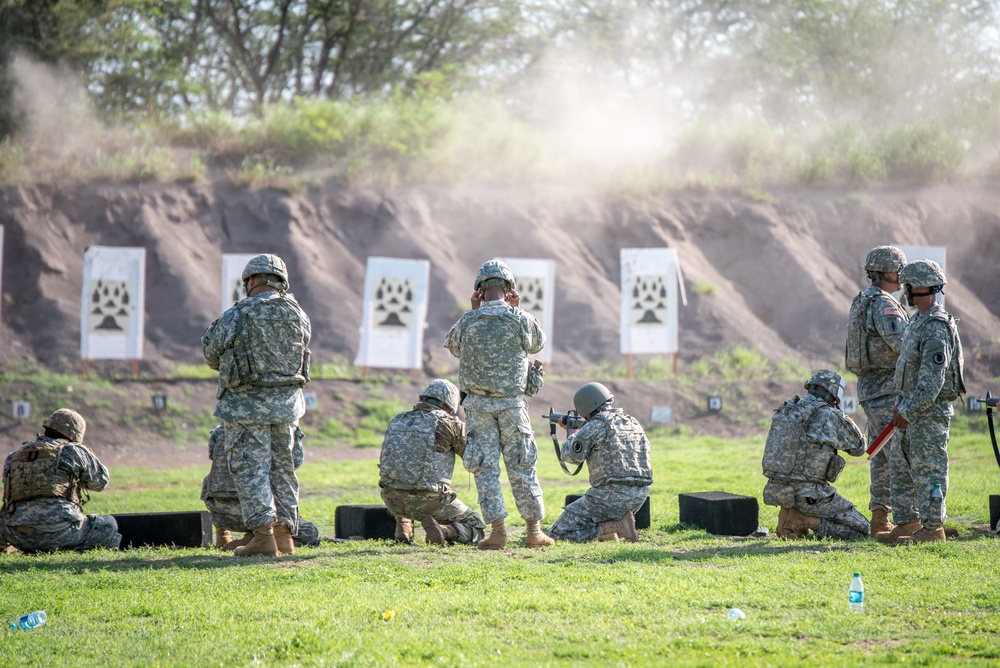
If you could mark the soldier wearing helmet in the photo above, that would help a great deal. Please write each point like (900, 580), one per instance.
(45, 485)
(492, 342)
(875, 329)
(260, 349)
(416, 465)
(928, 377)
(800, 461)
(616, 450)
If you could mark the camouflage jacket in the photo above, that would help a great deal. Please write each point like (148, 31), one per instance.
(262, 363)
(82, 469)
(929, 371)
(875, 333)
(615, 448)
(492, 344)
(804, 438)
(419, 449)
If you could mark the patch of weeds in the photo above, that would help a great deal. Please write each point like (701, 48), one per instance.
(192, 371)
(704, 289)
(339, 368)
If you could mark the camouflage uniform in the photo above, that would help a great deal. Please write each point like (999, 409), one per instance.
(800, 457)
(259, 347)
(616, 450)
(493, 343)
(416, 465)
(218, 490)
(45, 484)
(881, 321)
(928, 378)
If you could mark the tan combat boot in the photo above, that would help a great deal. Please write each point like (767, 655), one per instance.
(497, 539)
(880, 522)
(798, 524)
(608, 531)
(222, 537)
(404, 530)
(907, 528)
(283, 539)
(924, 535)
(626, 528)
(535, 537)
(438, 534)
(239, 542)
(261, 543)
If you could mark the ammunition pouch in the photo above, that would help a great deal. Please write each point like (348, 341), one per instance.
(536, 377)
(834, 468)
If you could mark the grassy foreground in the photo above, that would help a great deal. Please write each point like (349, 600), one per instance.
(662, 601)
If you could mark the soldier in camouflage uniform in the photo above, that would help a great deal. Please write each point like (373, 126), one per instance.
(616, 450)
(801, 460)
(45, 485)
(928, 378)
(416, 465)
(874, 333)
(260, 349)
(492, 342)
(218, 491)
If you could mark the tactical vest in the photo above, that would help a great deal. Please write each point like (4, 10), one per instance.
(34, 474)
(626, 458)
(269, 349)
(409, 459)
(866, 353)
(954, 377)
(493, 362)
(788, 455)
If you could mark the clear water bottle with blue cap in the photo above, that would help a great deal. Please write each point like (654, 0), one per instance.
(856, 594)
(32, 620)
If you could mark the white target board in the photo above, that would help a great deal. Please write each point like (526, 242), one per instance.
(232, 277)
(394, 313)
(536, 281)
(936, 253)
(649, 300)
(112, 303)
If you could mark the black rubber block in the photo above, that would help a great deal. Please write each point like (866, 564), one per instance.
(183, 529)
(363, 522)
(720, 513)
(641, 516)
(994, 510)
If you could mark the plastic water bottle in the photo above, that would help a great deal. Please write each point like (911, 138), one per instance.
(30, 621)
(856, 594)
(735, 614)
(937, 501)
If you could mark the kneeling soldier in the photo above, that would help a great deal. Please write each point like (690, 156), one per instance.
(416, 465)
(45, 484)
(800, 460)
(616, 450)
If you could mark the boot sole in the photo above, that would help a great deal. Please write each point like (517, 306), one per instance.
(433, 531)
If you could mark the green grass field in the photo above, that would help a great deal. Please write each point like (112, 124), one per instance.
(662, 601)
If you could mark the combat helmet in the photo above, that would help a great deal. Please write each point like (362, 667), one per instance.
(830, 381)
(591, 397)
(67, 422)
(923, 274)
(885, 259)
(267, 264)
(443, 392)
(494, 273)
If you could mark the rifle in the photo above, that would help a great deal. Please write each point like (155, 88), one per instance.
(991, 402)
(571, 420)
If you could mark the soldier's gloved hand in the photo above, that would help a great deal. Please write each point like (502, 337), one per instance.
(898, 421)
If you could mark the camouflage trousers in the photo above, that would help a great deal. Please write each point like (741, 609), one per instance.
(497, 429)
(581, 520)
(226, 515)
(94, 531)
(879, 414)
(838, 516)
(919, 460)
(442, 506)
(260, 460)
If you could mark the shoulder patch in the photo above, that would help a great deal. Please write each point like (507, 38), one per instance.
(890, 310)
(938, 358)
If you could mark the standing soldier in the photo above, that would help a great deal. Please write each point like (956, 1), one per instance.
(45, 484)
(260, 349)
(416, 465)
(801, 460)
(492, 342)
(616, 450)
(874, 333)
(928, 378)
